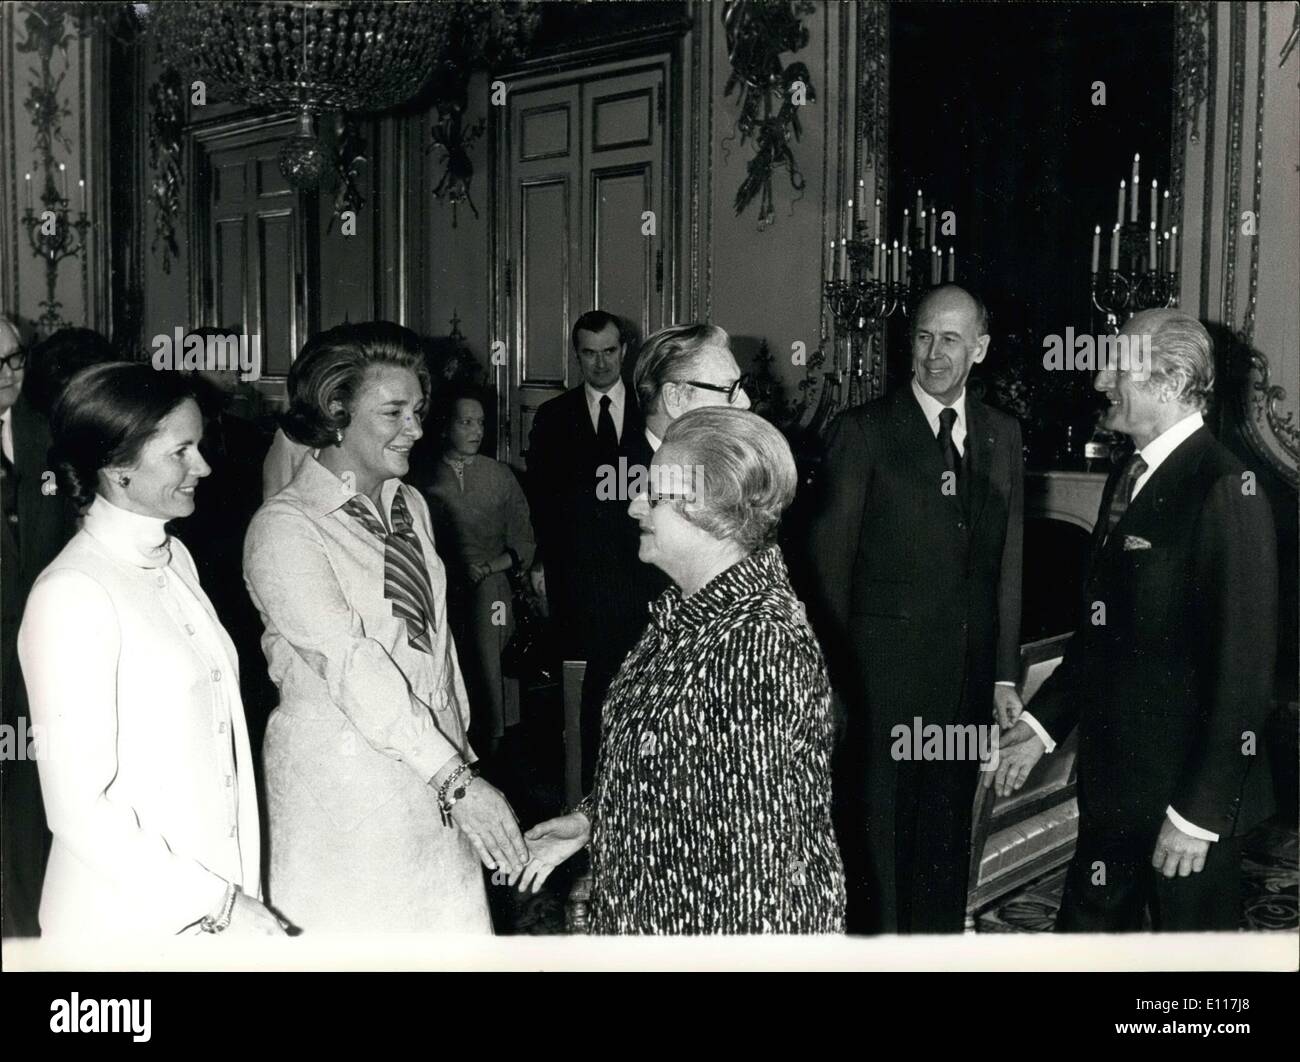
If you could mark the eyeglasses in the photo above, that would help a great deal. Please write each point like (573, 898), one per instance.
(731, 390)
(15, 361)
(653, 500)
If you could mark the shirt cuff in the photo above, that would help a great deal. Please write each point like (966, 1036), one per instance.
(1037, 727)
(1005, 682)
(1188, 828)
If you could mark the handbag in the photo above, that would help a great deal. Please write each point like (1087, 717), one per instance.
(529, 654)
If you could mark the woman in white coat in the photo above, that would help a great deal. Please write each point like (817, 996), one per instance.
(378, 819)
(145, 766)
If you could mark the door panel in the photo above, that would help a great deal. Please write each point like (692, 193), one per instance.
(584, 157)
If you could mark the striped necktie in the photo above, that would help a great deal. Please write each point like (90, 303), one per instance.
(406, 577)
(1123, 495)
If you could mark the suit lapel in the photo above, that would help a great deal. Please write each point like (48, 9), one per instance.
(979, 450)
(919, 443)
(1145, 511)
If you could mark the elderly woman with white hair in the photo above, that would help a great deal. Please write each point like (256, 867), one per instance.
(711, 807)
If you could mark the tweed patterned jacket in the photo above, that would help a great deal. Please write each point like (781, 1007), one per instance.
(711, 808)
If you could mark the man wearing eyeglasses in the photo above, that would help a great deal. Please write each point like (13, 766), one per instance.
(34, 526)
(685, 367)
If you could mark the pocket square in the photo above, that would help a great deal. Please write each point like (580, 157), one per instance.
(1134, 542)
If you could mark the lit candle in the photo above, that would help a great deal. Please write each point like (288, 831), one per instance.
(849, 218)
(877, 229)
(1119, 205)
(935, 259)
(907, 233)
(934, 217)
(880, 258)
(1173, 249)
(1164, 209)
(1151, 247)
(952, 264)
(1133, 192)
(919, 207)
(1164, 254)
(895, 259)
(862, 200)
(830, 261)
(81, 185)
(27, 182)
(1096, 247)
(1114, 249)
(63, 181)
(907, 265)
(844, 259)
(1155, 199)
(921, 224)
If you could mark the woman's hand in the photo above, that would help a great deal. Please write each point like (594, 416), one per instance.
(551, 843)
(488, 821)
(479, 572)
(252, 918)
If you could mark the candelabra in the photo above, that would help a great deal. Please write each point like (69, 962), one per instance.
(1137, 279)
(54, 234)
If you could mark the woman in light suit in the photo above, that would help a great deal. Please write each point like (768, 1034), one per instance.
(145, 766)
(378, 820)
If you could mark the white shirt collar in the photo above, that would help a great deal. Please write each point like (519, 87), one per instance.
(1158, 449)
(617, 395)
(654, 441)
(7, 432)
(135, 539)
(932, 407)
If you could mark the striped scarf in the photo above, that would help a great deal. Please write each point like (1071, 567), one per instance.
(406, 577)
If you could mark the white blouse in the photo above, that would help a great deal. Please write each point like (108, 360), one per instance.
(146, 770)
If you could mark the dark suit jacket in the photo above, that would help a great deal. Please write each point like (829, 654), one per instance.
(45, 524)
(1183, 664)
(913, 596)
(597, 589)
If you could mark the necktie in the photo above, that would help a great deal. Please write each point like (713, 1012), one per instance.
(951, 458)
(406, 577)
(1119, 501)
(606, 436)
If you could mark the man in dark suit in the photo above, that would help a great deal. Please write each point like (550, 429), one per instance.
(1169, 671)
(36, 524)
(916, 557)
(596, 588)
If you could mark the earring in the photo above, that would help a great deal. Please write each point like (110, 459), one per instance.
(338, 436)
(122, 481)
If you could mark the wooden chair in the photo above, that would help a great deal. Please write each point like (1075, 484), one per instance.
(1020, 837)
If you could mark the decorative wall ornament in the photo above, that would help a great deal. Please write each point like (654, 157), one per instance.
(469, 36)
(166, 131)
(873, 90)
(758, 33)
(349, 159)
(1191, 90)
(53, 231)
(368, 55)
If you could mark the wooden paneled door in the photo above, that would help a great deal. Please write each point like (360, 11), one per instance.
(254, 254)
(583, 223)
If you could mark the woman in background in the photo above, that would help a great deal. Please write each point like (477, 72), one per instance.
(483, 530)
(147, 775)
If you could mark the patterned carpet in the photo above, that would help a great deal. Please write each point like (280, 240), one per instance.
(1270, 880)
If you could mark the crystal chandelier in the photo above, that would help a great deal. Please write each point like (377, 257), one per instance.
(311, 55)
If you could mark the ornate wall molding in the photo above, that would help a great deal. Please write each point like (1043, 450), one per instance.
(1190, 89)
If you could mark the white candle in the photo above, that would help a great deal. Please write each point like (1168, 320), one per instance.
(81, 185)
(919, 207)
(935, 258)
(27, 182)
(880, 258)
(1173, 249)
(1155, 199)
(907, 264)
(862, 199)
(1119, 205)
(1136, 160)
(63, 180)
(1164, 209)
(1164, 254)
(1096, 247)
(830, 261)
(877, 230)
(952, 264)
(934, 217)
(1151, 247)
(1114, 249)
(895, 259)
(844, 259)
(1133, 192)
(849, 219)
(907, 233)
